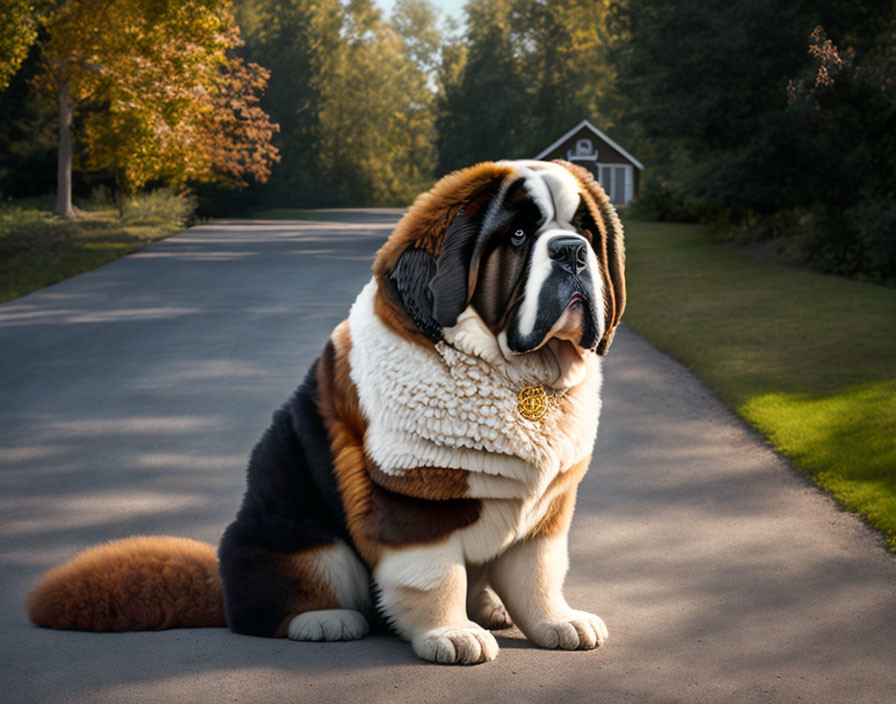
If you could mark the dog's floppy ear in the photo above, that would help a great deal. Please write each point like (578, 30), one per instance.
(453, 277)
(466, 240)
(607, 240)
(435, 290)
(427, 266)
(410, 279)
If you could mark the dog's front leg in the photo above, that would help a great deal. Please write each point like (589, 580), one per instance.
(529, 580)
(422, 591)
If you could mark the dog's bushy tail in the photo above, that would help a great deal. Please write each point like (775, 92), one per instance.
(136, 584)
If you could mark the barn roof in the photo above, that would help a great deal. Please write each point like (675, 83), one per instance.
(585, 123)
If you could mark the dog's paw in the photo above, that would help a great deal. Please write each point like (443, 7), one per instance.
(462, 645)
(328, 624)
(578, 630)
(488, 611)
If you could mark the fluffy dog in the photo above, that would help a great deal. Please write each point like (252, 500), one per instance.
(426, 469)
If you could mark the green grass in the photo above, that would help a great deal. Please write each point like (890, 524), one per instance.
(38, 248)
(807, 359)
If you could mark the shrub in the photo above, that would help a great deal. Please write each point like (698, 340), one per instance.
(101, 198)
(667, 200)
(159, 207)
(874, 221)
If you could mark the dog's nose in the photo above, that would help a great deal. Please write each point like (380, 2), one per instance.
(571, 252)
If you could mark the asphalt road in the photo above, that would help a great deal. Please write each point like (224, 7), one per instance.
(132, 395)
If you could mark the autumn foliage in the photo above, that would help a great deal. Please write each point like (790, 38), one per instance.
(17, 32)
(161, 95)
(235, 133)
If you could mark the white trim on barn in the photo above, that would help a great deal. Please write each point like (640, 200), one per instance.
(585, 123)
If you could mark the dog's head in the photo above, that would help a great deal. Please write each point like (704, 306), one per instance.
(533, 249)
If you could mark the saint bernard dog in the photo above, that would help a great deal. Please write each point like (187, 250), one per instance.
(425, 473)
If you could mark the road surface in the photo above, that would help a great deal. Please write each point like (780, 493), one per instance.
(132, 395)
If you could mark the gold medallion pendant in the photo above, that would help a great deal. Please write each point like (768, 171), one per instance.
(533, 402)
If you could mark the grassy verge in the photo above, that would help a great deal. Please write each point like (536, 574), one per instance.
(807, 359)
(38, 248)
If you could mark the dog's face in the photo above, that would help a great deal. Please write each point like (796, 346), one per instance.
(534, 248)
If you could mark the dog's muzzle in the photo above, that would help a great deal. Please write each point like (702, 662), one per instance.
(562, 297)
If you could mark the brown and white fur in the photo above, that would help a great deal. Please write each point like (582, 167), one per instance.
(400, 478)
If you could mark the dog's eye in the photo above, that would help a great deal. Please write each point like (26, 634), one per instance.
(518, 237)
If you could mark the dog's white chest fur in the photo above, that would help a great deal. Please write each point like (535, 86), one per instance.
(456, 407)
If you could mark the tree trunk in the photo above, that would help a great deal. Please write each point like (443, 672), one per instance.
(64, 172)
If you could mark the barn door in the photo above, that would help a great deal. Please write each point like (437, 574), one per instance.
(615, 181)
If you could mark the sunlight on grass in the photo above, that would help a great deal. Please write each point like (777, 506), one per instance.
(38, 249)
(807, 359)
(845, 441)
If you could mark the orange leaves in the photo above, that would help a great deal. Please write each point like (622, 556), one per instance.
(828, 56)
(161, 96)
(831, 65)
(239, 132)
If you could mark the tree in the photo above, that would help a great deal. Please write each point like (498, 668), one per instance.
(207, 130)
(416, 22)
(299, 42)
(28, 135)
(18, 31)
(705, 84)
(524, 72)
(483, 106)
(837, 96)
(352, 94)
(377, 128)
(565, 48)
(155, 80)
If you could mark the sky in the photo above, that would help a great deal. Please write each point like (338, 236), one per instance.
(454, 8)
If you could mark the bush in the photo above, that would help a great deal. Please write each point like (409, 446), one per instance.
(875, 222)
(666, 200)
(101, 198)
(160, 207)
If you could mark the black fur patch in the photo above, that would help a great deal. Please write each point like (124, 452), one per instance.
(291, 504)
(449, 285)
(410, 278)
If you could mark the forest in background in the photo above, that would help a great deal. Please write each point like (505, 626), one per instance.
(774, 117)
